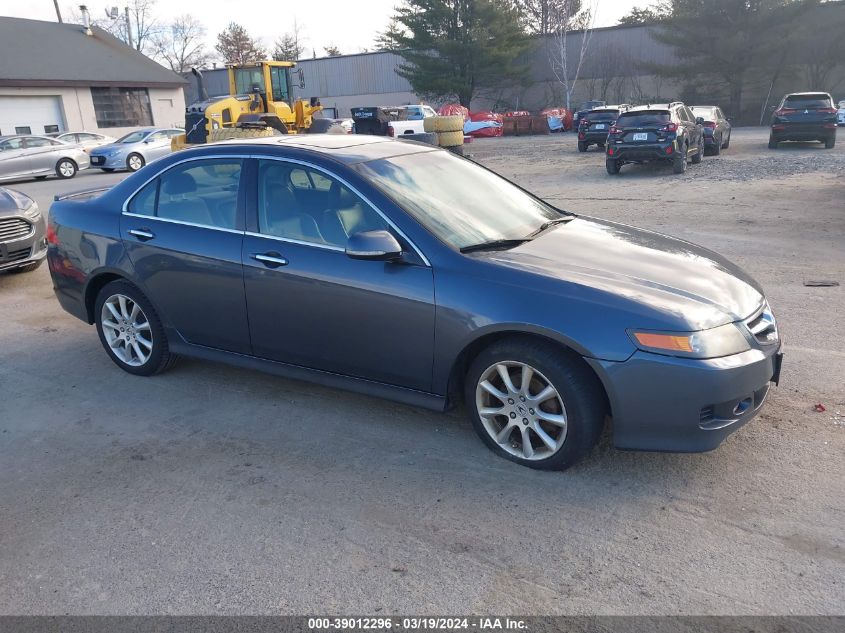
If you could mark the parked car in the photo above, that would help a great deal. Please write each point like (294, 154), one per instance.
(840, 113)
(668, 132)
(135, 149)
(86, 140)
(717, 128)
(584, 109)
(804, 116)
(400, 270)
(413, 124)
(22, 231)
(38, 157)
(595, 125)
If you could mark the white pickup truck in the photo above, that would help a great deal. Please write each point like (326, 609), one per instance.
(413, 124)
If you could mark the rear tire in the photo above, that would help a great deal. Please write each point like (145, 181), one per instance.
(830, 142)
(582, 146)
(679, 163)
(612, 166)
(728, 142)
(66, 168)
(560, 433)
(696, 159)
(123, 334)
(134, 162)
(773, 144)
(717, 148)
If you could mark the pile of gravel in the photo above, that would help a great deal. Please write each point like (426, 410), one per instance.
(774, 166)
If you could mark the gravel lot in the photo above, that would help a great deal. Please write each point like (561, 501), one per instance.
(213, 490)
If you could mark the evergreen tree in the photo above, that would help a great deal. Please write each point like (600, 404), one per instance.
(236, 46)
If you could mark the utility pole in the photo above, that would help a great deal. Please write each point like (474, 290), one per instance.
(129, 28)
(58, 11)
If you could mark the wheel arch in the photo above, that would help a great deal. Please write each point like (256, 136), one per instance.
(96, 283)
(462, 362)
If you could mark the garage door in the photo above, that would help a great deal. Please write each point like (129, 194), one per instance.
(30, 115)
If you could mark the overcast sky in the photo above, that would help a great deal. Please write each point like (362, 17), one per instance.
(351, 26)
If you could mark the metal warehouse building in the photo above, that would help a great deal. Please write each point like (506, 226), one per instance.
(57, 77)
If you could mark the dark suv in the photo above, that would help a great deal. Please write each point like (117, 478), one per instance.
(668, 132)
(594, 126)
(804, 116)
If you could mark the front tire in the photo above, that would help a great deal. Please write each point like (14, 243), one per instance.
(535, 404)
(134, 162)
(679, 163)
(699, 154)
(131, 331)
(66, 168)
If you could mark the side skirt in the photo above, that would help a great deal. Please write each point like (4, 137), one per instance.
(349, 383)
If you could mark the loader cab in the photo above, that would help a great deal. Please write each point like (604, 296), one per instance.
(272, 80)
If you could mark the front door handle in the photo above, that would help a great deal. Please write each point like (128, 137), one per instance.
(142, 234)
(271, 259)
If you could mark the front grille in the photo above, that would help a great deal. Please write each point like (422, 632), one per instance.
(763, 326)
(14, 256)
(14, 229)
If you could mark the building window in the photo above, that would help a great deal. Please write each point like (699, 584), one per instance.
(122, 107)
(23, 130)
(51, 129)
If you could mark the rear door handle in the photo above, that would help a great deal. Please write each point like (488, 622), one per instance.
(271, 259)
(142, 234)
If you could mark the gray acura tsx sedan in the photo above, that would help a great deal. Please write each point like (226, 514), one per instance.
(399, 270)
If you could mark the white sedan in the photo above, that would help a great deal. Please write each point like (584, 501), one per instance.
(840, 116)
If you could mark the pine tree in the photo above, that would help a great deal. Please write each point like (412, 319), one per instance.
(236, 46)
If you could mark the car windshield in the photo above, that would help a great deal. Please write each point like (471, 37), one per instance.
(133, 137)
(458, 201)
(603, 115)
(807, 102)
(708, 114)
(643, 119)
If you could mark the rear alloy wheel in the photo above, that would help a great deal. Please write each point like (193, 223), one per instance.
(612, 166)
(134, 162)
(533, 404)
(65, 168)
(131, 331)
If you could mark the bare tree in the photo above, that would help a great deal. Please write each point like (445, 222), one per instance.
(140, 30)
(543, 17)
(332, 51)
(182, 44)
(568, 45)
(289, 47)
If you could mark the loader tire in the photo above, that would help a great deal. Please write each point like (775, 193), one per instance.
(453, 123)
(450, 139)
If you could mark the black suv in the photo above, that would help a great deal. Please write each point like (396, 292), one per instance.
(804, 116)
(667, 132)
(594, 126)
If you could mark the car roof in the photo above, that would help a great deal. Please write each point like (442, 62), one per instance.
(650, 106)
(812, 92)
(704, 107)
(346, 148)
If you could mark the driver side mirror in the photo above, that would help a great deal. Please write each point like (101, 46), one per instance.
(700, 120)
(374, 245)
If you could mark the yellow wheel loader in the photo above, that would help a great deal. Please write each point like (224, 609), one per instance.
(259, 103)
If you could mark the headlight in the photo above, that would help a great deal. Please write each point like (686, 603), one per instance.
(32, 212)
(719, 341)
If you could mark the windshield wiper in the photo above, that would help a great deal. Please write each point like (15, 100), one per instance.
(492, 245)
(547, 225)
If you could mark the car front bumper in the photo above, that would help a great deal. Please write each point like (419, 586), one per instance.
(116, 161)
(663, 403)
(26, 249)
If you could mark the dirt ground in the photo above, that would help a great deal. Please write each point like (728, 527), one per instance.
(213, 490)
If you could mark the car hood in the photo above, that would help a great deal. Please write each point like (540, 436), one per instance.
(13, 202)
(111, 147)
(683, 285)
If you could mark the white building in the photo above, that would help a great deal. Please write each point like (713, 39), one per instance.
(56, 77)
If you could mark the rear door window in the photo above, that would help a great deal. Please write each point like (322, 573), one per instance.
(199, 192)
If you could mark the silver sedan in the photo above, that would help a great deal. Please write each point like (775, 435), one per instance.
(134, 150)
(39, 157)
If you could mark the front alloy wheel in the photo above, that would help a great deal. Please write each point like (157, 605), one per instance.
(135, 162)
(521, 410)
